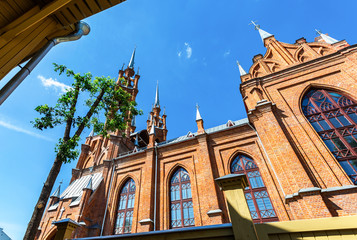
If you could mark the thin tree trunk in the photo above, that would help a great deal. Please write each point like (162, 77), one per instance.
(52, 176)
(34, 223)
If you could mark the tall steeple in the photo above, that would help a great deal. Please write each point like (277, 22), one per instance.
(263, 34)
(128, 80)
(131, 62)
(241, 70)
(326, 38)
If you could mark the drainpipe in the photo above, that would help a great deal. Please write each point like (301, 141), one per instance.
(266, 154)
(82, 28)
(155, 195)
(106, 205)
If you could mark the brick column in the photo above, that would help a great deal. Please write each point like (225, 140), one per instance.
(233, 186)
(290, 171)
(147, 185)
(207, 189)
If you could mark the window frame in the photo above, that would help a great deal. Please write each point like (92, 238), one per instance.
(126, 211)
(180, 201)
(253, 191)
(334, 136)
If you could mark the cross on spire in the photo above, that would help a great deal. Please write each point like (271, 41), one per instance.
(263, 34)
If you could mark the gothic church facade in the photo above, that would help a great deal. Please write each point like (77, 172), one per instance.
(297, 147)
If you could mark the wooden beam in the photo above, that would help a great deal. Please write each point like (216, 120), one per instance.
(23, 25)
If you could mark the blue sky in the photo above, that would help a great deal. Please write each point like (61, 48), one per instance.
(189, 46)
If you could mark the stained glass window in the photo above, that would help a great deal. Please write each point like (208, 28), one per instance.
(334, 117)
(125, 208)
(181, 200)
(256, 193)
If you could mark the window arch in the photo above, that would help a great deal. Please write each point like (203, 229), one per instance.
(256, 193)
(334, 118)
(181, 205)
(125, 210)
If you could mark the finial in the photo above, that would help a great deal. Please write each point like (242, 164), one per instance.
(241, 70)
(122, 68)
(157, 101)
(326, 38)
(198, 115)
(263, 34)
(137, 73)
(164, 113)
(131, 63)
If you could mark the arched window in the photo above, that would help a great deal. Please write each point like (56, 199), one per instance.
(125, 208)
(334, 118)
(256, 193)
(181, 200)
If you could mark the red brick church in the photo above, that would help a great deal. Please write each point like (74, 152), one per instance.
(297, 147)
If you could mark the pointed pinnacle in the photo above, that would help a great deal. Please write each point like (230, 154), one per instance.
(131, 63)
(241, 70)
(326, 38)
(157, 101)
(57, 192)
(90, 183)
(198, 115)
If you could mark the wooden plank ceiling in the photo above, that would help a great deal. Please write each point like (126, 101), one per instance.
(25, 25)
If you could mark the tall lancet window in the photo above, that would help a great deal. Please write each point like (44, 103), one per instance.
(181, 200)
(256, 193)
(125, 208)
(334, 118)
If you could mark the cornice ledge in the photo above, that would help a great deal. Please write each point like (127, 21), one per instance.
(215, 212)
(341, 188)
(301, 192)
(262, 107)
(146, 221)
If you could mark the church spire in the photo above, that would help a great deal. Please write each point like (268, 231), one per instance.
(198, 115)
(263, 34)
(326, 38)
(157, 101)
(241, 70)
(131, 62)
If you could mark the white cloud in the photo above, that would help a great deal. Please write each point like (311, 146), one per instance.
(179, 53)
(8, 125)
(226, 53)
(50, 82)
(188, 50)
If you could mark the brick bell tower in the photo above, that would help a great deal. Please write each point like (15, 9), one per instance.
(96, 148)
